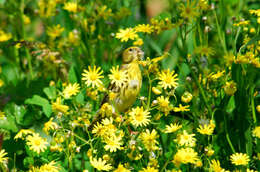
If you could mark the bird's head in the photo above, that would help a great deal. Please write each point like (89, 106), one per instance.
(132, 54)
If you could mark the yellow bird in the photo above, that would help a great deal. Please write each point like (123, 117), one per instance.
(125, 96)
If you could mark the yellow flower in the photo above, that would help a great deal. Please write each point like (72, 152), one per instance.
(92, 76)
(149, 169)
(239, 159)
(118, 77)
(185, 156)
(71, 90)
(186, 97)
(71, 7)
(164, 105)
(230, 88)
(181, 108)
(149, 139)
(258, 108)
(190, 11)
(47, 8)
(26, 19)
(172, 128)
(168, 79)
(55, 31)
(125, 35)
(1, 83)
(50, 126)
(113, 143)
(215, 166)
(104, 12)
(23, 133)
(206, 129)
(57, 106)
(100, 164)
(186, 139)
(3, 158)
(145, 28)
(216, 76)
(139, 117)
(138, 42)
(242, 23)
(2, 115)
(36, 143)
(256, 132)
(156, 90)
(121, 168)
(205, 51)
(73, 37)
(50, 167)
(5, 36)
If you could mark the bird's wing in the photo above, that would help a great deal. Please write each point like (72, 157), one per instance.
(112, 87)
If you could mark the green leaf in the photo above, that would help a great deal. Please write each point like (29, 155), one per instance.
(9, 123)
(231, 105)
(80, 98)
(72, 75)
(44, 103)
(19, 112)
(50, 92)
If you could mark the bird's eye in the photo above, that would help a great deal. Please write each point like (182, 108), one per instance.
(130, 49)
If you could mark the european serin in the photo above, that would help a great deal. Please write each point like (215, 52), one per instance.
(125, 83)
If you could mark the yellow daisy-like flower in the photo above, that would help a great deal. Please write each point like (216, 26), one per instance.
(216, 76)
(36, 143)
(145, 28)
(121, 168)
(185, 156)
(98, 130)
(92, 76)
(164, 105)
(113, 143)
(71, 90)
(256, 132)
(118, 77)
(172, 128)
(206, 129)
(215, 166)
(100, 164)
(55, 31)
(5, 36)
(181, 108)
(139, 117)
(168, 79)
(125, 34)
(3, 158)
(186, 97)
(57, 106)
(138, 42)
(50, 125)
(230, 88)
(71, 7)
(50, 167)
(239, 159)
(186, 139)
(23, 133)
(149, 139)
(149, 169)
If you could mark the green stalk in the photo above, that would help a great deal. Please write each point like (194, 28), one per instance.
(28, 56)
(202, 93)
(221, 36)
(227, 135)
(253, 105)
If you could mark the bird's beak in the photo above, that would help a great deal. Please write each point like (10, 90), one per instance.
(141, 55)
